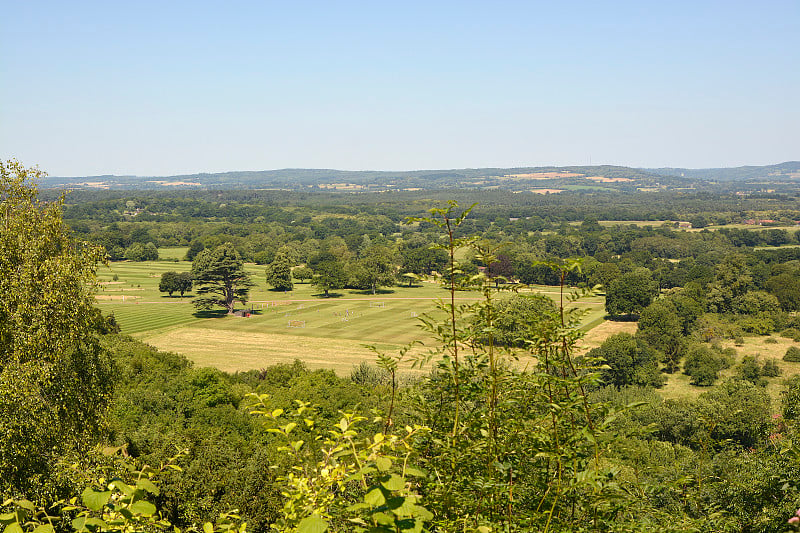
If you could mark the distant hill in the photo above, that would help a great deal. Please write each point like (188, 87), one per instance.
(543, 180)
(789, 170)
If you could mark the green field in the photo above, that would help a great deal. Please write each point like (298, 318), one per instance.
(173, 252)
(323, 332)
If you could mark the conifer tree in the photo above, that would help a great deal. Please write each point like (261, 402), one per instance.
(220, 278)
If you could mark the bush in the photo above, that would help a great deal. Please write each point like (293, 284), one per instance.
(704, 363)
(791, 333)
(771, 369)
(792, 354)
(790, 399)
(760, 325)
(750, 370)
(771, 340)
(739, 410)
(630, 361)
(520, 317)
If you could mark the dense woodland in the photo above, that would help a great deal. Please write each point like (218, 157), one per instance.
(103, 433)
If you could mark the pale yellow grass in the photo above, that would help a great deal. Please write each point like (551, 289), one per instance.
(240, 351)
(546, 191)
(678, 384)
(595, 336)
(756, 347)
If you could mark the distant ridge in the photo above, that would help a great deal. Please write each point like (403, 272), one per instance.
(789, 169)
(518, 179)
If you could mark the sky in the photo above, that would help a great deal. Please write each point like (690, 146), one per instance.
(165, 88)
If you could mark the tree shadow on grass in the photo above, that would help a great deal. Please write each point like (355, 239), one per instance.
(368, 292)
(330, 295)
(210, 313)
(622, 318)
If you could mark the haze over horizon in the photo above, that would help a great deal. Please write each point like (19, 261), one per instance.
(156, 90)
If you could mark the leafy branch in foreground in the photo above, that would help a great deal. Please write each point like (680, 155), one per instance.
(514, 444)
(341, 480)
(108, 505)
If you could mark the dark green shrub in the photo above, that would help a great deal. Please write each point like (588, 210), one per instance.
(703, 364)
(771, 369)
(771, 340)
(760, 325)
(519, 317)
(791, 333)
(790, 399)
(738, 410)
(630, 361)
(730, 353)
(750, 370)
(792, 354)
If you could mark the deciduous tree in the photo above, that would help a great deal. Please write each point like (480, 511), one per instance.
(175, 282)
(630, 361)
(329, 272)
(630, 293)
(374, 269)
(279, 272)
(302, 273)
(54, 376)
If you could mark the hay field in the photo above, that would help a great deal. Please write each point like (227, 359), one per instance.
(323, 332)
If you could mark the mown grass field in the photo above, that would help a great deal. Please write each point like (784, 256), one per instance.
(329, 332)
(323, 332)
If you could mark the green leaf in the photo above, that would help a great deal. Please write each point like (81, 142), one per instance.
(423, 514)
(312, 524)
(43, 528)
(375, 497)
(143, 507)
(122, 487)
(384, 464)
(13, 528)
(394, 482)
(93, 499)
(147, 485)
(94, 524)
(208, 528)
(413, 471)
(383, 519)
(25, 504)
(357, 507)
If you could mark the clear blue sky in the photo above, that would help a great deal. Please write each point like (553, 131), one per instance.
(169, 87)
